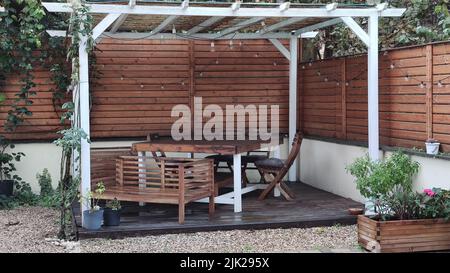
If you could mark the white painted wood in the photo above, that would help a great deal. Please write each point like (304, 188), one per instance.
(85, 155)
(281, 48)
(132, 3)
(103, 25)
(318, 26)
(236, 5)
(226, 11)
(331, 6)
(169, 20)
(119, 22)
(171, 36)
(285, 6)
(237, 183)
(356, 29)
(372, 82)
(185, 4)
(382, 6)
(293, 101)
(238, 26)
(207, 23)
(228, 198)
(281, 24)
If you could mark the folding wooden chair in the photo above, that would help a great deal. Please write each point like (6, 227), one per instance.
(274, 169)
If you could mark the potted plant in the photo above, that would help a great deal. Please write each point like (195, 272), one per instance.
(405, 220)
(7, 167)
(432, 146)
(93, 217)
(112, 213)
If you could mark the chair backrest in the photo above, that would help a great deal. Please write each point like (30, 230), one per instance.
(151, 137)
(296, 143)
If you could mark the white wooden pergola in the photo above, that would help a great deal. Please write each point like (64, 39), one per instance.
(243, 21)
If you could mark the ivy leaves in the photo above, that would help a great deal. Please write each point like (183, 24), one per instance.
(21, 28)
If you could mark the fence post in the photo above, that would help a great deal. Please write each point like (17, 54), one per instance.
(429, 90)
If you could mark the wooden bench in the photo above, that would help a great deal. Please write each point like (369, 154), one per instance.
(163, 180)
(103, 164)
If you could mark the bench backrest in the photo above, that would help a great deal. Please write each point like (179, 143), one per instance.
(103, 163)
(164, 173)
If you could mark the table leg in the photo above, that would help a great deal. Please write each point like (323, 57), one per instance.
(237, 183)
(276, 154)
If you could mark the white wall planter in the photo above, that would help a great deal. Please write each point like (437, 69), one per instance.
(432, 148)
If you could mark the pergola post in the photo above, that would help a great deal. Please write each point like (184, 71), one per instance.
(372, 81)
(293, 62)
(84, 121)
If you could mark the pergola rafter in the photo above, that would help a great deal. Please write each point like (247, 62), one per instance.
(288, 21)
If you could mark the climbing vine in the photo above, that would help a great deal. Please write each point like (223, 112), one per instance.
(79, 26)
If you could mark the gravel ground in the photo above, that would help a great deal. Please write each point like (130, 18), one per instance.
(34, 229)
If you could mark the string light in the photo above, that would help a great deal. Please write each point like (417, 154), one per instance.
(274, 63)
(407, 77)
(422, 85)
(318, 73)
(337, 83)
(217, 61)
(440, 84)
(201, 74)
(326, 79)
(392, 66)
(121, 78)
(183, 83)
(310, 63)
(347, 84)
(142, 86)
(174, 30)
(241, 43)
(303, 67)
(257, 55)
(212, 46)
(162, 86)
(231, 44)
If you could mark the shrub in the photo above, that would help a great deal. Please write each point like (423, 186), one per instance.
(45, 183)
(390, 178)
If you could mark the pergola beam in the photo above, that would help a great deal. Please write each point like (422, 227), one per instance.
(281, 24)
(169, 20)
(357, 29)
(281, 48)
(103, 25)
(172, 36)
(228, 12)
(205, 24)
(320, 25)
(239, 26)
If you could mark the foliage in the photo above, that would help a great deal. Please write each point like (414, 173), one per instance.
(424, 21)
(91, 199)
(377, 179)
(113, 204)
(21, 28)
(7, 160)
(435, 203)
(45, 182)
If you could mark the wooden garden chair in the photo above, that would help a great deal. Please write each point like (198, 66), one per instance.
(274, 169)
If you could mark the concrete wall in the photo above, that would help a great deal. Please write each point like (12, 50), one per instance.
(322, 165)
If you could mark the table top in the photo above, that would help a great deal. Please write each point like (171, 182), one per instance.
(226, 147)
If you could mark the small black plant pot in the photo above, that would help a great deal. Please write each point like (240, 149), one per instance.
(6, 187)
(111, 217)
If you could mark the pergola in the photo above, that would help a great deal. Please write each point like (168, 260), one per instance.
(223, 21)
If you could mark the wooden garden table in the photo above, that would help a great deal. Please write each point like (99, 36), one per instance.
(224, 147)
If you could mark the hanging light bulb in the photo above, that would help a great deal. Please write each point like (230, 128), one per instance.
(241, 43)
(440, 84)
(257, 55)
(231, 44)
(407, 78)
(347, 84)
(326, 79)
(385, 53)
(121, 78)
(183, 83)
(142, 86)
(337, 84)
(318, 73)
(212, 46)
(274, 63)
(392, 66)
(162, 86)
(303, 67)
(310, 63)
(422, 85)
(217, 61)
(201, 74)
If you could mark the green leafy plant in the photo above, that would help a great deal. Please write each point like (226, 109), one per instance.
(45, 183)
(92, 198)
(113, 204)
(377, 179)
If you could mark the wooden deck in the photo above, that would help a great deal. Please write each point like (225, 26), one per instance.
(311, 207)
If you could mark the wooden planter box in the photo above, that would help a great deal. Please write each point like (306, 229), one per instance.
(403, 235)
